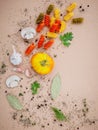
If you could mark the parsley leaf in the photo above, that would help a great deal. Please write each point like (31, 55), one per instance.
(34, 87)
(66, 38)
(59, 115)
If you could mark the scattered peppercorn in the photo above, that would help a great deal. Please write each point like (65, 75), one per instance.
(55, 120)
(61, 125)
(7, 53)
(27, 109)
(80, 6)
(21, 116)
(83, 10)
(21, 86)
(20, 94)
(3, 65)
(45, 104)
(26, 41)
(34, 123)
(61, 14)
(9, 35)
(6, 91)
(20, 30)
(32, 98)
(93, 122)
(75, 105)
(36, 40)
(45, 101)
(43, 126)
(42, 105)
(55, 56)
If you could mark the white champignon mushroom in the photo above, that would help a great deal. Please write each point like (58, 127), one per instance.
(28, 33)
(13, 81)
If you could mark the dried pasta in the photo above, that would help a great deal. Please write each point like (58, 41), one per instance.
(63, 26)
(41, 41)
(52, 21)
(40, 26)
(50, 9)
(47, 20)
(57, 13)
(52, 34)
(48, 44)
(77, 20)
(59, 25)
(40, 18)
(71, 7)
(68, 16)
(54, 27)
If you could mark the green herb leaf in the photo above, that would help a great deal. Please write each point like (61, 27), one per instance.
(66, 38)
(59, 114)
(34, 87)
(14, 102)
(55, 86)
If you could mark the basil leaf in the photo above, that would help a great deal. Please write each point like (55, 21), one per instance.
(14, 102)
(55, 86)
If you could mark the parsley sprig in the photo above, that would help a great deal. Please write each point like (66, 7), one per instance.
(34, 87)
(66, 38)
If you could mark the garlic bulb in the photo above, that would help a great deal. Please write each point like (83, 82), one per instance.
(28, 33)
(15, 58)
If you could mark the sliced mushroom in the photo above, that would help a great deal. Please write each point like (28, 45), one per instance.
(13, 81)
(28, 33)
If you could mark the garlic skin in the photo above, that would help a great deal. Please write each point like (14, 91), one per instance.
(18, 70)
(16, 58)
(13, 81)
(28, 33)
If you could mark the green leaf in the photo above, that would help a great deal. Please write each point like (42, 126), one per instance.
(14, 102)
(55, 86)
(34, 87)
(59, 114)
(66, 43)
(66, 38)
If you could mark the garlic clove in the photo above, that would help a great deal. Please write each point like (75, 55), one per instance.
(15, 58)
(28, 73)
